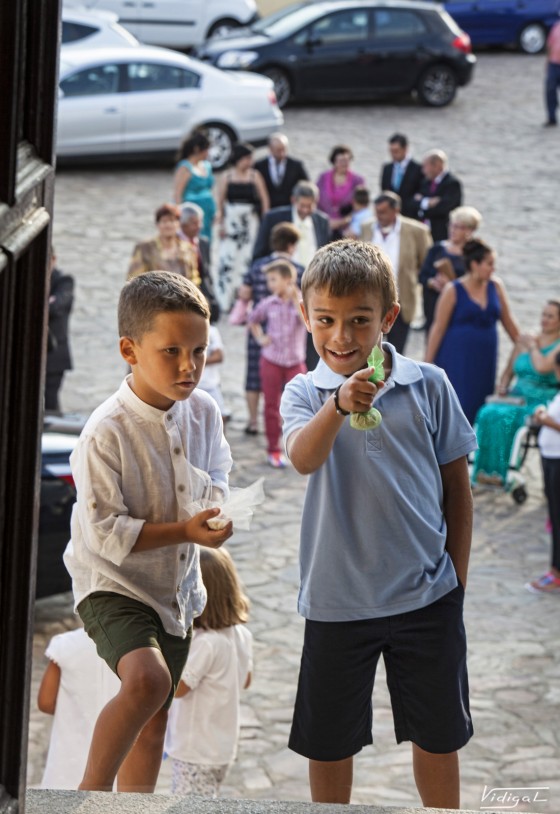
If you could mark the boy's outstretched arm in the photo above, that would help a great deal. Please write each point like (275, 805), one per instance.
(195, 530)
(458, 513)
(309, 447)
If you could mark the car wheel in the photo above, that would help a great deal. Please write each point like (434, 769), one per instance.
(222, 139)
(532, 38)
(282, 85)
(437, 86)
(221, 27)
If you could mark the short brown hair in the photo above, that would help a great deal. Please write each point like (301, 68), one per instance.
(346, 266)
(282, 267)
(167, 210)
(152, 293)
(283, 235)
(226, 605)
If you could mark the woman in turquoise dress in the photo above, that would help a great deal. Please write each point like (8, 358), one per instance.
(531, 368)
(194, 179)
(463, 339)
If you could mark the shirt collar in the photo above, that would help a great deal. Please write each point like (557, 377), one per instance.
(146, 411)
(404, 371)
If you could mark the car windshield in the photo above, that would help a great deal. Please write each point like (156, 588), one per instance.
(286, 21)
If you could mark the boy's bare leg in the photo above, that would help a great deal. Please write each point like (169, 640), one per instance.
(437, 778)
(145, 686)
(140, 768)
(331, 781)
(252, 397)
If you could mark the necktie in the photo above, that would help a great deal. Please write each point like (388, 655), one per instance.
(278, 173)
(397, 177)
(433, 187)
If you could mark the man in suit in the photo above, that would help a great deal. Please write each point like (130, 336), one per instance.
(402, 175)
(280, 172)
(440, 192)
(406, 242)
(313, 226)
(192, 220)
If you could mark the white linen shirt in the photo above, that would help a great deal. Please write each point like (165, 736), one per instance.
(134, 464)
(390, 243)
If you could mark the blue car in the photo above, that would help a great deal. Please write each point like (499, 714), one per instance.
(522, 23)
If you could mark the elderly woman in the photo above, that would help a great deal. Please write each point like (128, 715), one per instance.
(463, 339)
(444, 261)
(167, 251)
(531, 369)
(194, 179)
(336, 188)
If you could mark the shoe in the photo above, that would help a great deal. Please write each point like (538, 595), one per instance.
(276, 460)
(547, 584)
(251, 430)
(550, 124)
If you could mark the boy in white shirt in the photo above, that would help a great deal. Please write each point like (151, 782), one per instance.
(145, 455)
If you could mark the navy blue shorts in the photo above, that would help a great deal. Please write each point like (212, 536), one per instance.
(425, 655)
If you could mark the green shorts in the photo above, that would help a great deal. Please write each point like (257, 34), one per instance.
(118, 625)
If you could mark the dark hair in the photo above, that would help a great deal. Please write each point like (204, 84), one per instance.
(361, 195)
(555, 303)
(557, 359)
(346, 266)
(387, 196)
(241, 150)
(283, 235)
(195, 142)
(400, 139)
(284, 268)
(152, 293)
(226, 604)
(340, 149)
(475, 250)
(167, 210)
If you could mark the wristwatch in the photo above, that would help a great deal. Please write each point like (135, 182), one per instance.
(338, 408)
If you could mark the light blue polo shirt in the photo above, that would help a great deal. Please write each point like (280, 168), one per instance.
(373, 532)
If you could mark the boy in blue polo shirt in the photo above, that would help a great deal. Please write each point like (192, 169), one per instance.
(385, 538)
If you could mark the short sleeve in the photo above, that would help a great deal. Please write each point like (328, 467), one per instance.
(295, 407)
(199, 662)
(453, 435)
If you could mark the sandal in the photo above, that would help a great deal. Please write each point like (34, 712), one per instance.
(251, 430)
(549, 584)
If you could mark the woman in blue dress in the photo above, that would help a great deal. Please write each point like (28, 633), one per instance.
(194, 179)
(463, 339)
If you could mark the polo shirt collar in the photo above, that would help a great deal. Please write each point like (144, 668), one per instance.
(404, 371)
(146, 411)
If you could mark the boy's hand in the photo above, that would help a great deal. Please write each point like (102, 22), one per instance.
(198, 531)
(357, 393)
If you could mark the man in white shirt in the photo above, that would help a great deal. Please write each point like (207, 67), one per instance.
(406, 242)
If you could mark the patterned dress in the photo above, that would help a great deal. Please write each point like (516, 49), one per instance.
(241, 223)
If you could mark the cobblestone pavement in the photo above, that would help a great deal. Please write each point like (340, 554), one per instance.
(510, 167)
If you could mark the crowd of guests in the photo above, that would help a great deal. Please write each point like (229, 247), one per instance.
(269, 221)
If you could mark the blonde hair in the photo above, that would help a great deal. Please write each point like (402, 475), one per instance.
(467, 216)
(346, 266)
(226, 605)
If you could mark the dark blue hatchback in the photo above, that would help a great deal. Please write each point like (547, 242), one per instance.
(522, 23)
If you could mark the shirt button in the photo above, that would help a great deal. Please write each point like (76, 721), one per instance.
(181, 487)
(178, 617)
(177, 450)
(178, 589)
(94, 505)
(183, 557)
(174, 604)
(169, 416)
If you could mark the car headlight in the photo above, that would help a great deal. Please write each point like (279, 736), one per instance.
(236, 59)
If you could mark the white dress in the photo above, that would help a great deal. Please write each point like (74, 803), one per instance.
(203, 726)
(86, 685)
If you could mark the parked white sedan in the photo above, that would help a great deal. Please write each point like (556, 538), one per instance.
(137, 102)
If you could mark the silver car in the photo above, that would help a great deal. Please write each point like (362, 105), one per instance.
(137, 102)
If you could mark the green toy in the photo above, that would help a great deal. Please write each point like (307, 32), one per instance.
(371, 419)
